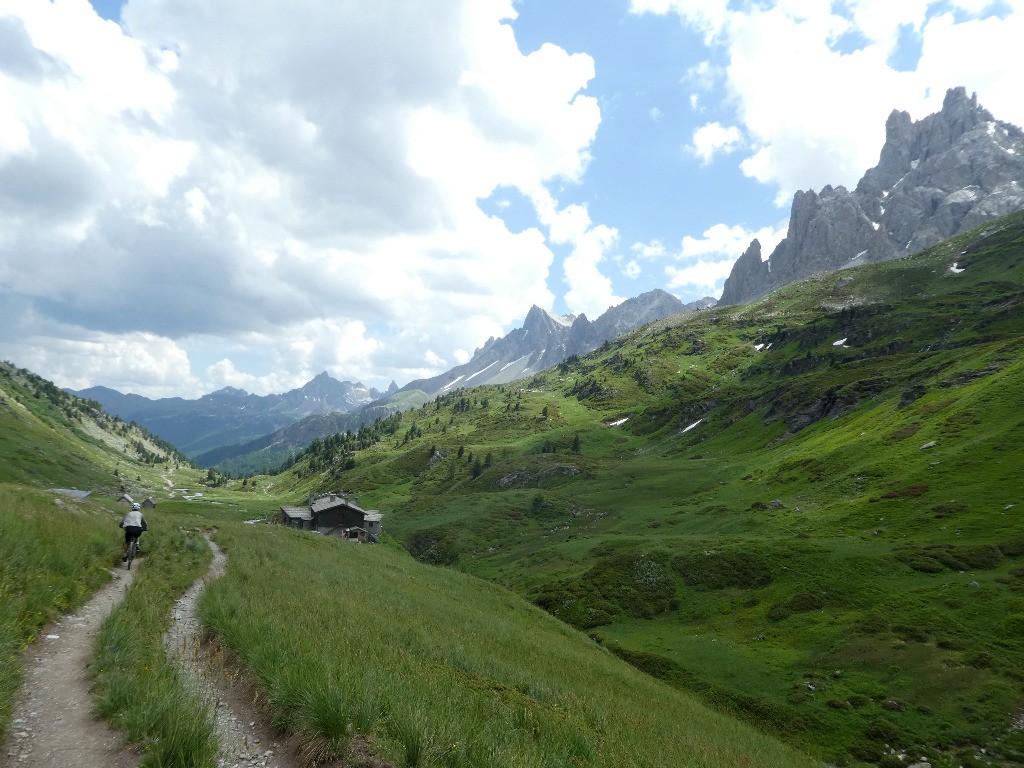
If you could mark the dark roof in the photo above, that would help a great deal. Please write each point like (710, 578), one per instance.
(297, 513)
(332, 502)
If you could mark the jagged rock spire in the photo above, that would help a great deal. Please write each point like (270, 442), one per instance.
(935, 177)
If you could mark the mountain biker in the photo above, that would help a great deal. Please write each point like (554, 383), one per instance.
(134, 524)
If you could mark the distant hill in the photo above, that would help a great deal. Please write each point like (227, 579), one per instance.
(546, 340)
(230, 416)
(941, 175)
(268, 453)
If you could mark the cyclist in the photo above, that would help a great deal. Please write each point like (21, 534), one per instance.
(134, 524)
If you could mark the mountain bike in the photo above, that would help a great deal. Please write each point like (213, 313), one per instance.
(133, 550)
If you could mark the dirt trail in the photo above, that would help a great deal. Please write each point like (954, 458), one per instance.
(53, 725)
(246, 738)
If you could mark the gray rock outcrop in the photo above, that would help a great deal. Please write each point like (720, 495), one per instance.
(941, 175)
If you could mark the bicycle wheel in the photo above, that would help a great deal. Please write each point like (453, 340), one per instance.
(133, 547)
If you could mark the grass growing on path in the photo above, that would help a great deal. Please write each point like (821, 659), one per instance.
(441, 669)
(52, 557)
(138, 689)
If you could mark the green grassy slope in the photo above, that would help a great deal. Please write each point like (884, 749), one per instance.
(49, 438)
(804, 511)
(362, 648)
(807, 510)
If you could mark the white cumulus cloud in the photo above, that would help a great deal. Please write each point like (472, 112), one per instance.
(830, 128)
(712, 138)
(296, 185)
(703, 263)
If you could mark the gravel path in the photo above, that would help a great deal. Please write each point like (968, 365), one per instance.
(53, 725)
(246, 739)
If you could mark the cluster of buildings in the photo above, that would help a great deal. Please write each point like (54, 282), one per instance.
(146, 503)
(333, 515)
(330, 514)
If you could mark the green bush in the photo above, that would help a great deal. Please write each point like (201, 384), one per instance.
(723, 569)
(434, 547)
(954, 557)
(798, 603)
(626, 584)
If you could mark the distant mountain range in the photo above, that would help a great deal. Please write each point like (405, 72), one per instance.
(252, 433)
(936, 177)
(267, 453)
(231, 415)
(547, 339)
(544, 340)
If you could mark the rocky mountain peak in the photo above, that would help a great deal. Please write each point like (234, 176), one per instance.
(539, 321)
(228, 392)
(547, 339)
(748, 274)
(945, 173)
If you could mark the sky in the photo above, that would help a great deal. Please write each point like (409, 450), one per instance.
(245, 193)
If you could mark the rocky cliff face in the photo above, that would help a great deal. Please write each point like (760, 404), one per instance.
(944, 174)
(546, 340)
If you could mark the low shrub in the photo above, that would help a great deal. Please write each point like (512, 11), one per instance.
(948, 509)
(1013, 548)
(720, 570)
(908, 431)
(434, 547)
(798, 603)
(910, 491)
(955, 557)
(627, 584)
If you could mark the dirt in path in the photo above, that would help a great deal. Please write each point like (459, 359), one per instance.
(53, 725)
(245, 735)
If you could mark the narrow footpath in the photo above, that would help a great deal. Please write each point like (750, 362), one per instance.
(53, 725)
(246, 738)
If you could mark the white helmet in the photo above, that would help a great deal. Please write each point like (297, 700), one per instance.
(136, 507)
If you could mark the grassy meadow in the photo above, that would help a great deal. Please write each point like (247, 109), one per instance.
(436, 668)
(807, 511)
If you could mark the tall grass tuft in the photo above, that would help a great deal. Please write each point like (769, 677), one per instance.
(137, 688)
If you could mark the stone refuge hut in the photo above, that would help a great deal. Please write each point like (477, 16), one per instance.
(334, 515)
(148, 503)
(126, 499)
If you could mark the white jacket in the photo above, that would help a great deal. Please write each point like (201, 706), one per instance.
(134, 517)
